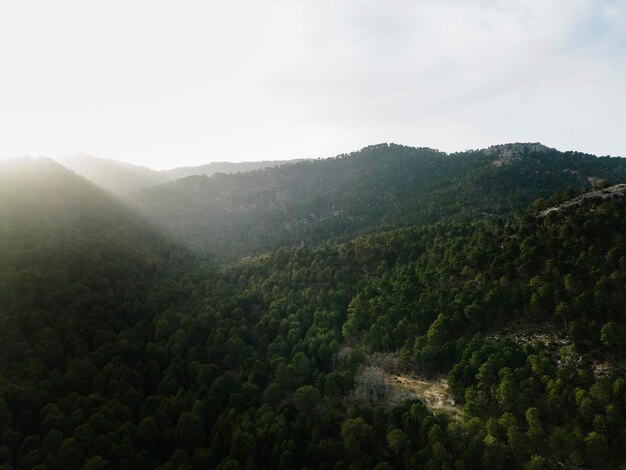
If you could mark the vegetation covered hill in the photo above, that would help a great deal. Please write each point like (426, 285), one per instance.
(212, 168)
(121, 178)
(441, 297)
(121, 351)
(80, 277)
(382, 186)
(47, 210)
(115, 176)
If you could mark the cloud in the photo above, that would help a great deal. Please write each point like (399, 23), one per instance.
(411, 63)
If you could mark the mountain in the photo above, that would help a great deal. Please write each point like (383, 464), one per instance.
(223, 167)
(117, 177)
(42, 197)
(121, 178)
(522, 315)
(80, 275)
(61, 236)
(382, 186)
(485, 340)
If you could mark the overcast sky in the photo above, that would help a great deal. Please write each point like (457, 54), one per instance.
(187, 82)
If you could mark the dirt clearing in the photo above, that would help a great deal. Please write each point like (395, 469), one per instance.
(434, 393)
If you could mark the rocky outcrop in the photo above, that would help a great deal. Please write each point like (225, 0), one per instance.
(614, 192)
(507, 153)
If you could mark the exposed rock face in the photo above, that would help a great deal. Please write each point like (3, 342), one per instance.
(507, 153)
(613, 192)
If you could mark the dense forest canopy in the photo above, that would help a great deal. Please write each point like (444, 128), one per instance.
(379, 187)
(122, 349)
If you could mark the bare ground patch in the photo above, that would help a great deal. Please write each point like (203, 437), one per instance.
(434, 393)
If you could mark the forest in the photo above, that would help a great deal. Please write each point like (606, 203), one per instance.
(380, 187)
(263, 331)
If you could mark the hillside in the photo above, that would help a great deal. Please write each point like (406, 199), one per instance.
(309, 329)
(55, 209)
(222, 167)
(494, 342)
(121, 178)
(68, 245)
(617, 191)
(382, 186)
(79, 274)
(115, 176)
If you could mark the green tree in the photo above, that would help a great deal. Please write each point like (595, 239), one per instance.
(356, 436)
(189, 432)
(398, 441)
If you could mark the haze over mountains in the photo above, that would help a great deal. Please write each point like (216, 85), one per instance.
(381, 186)
(120, 177)
(493, 279)
(231, 210)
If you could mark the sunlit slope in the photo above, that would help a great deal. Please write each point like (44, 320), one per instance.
(382, 186)
(121, 178)
(61, 235)
(117, 177)
(82, 279)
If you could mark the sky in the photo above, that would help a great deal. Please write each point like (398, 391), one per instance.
(171, 83)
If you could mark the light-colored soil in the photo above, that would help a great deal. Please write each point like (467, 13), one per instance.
(434, 393)
(552, 336)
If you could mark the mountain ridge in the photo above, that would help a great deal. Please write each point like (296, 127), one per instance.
(121, 177)
(383, 185)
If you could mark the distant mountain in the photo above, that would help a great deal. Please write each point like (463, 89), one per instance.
(223, 167)
(117, 177)
(381, 186)
(120, 177)
(42, 201)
